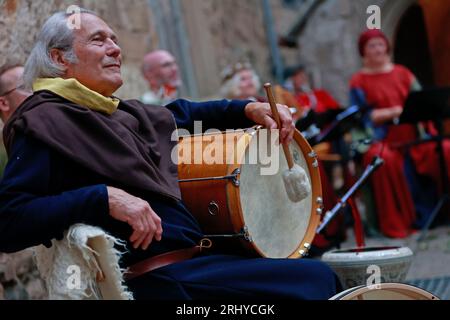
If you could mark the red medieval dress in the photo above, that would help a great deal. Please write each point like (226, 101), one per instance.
(392, 192)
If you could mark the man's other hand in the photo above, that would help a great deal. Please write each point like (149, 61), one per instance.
(138, 214)
(260, 113)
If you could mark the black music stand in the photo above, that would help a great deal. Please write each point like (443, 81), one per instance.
(341, 123)
(336, 123)
(431, 105)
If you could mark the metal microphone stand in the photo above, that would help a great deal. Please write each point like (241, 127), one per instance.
(371, 168)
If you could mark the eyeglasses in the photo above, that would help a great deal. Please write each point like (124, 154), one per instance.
(19, 87)
(168, 64)
(8, 92)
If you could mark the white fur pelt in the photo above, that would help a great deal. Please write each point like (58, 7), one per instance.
(70, 267)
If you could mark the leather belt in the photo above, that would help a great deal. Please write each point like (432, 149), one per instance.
(165, 259)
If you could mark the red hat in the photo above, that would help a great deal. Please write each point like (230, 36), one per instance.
(368, 35)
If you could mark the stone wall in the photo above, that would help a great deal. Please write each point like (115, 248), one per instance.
(225, 31)
(21, 20)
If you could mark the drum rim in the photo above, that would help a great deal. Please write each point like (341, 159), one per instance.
(340, 257)
(352, 293)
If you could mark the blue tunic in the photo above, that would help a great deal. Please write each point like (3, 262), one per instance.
(43, 193)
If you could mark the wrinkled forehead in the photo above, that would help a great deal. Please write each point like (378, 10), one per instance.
(91, 24)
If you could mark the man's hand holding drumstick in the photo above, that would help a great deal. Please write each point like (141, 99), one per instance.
(261, 113)
(276, 116)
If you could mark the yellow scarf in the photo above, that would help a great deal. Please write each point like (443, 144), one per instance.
(74, 91)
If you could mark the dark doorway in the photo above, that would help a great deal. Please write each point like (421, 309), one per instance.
(411, 45)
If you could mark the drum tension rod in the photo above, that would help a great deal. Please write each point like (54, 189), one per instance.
(243, 234)
(232, 177)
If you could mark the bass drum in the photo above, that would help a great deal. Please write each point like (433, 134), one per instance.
(236, 200)
(385, 291)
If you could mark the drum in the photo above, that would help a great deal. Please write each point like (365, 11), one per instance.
(238, 204)
(355, 266)
(385, 291)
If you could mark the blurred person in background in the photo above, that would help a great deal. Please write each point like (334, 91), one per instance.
(12, 94)
(240, 81)
(319, 101)
(161, 71)
(404, 188)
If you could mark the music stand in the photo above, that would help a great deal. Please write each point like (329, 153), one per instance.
(339, 124)
(342, 122)
(431, 105)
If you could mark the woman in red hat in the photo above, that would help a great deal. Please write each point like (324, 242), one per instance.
(383, 87)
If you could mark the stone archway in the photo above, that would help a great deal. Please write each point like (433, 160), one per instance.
(436, 22)
(412, 47)
(392, 12)
(438, 25)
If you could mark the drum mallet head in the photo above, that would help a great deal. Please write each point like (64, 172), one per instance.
(295, 179)
(296, 183)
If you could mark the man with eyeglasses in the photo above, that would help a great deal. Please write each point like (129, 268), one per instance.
(11, 96)
(160, 69)
(11, 93)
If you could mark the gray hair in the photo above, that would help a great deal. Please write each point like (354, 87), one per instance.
(55, 34)
(230, 88)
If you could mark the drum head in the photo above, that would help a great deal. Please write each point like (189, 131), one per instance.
(278, 227)
(385, 291)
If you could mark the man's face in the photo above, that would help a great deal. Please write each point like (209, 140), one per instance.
(99, 56)
(163, 70)
(14, 94)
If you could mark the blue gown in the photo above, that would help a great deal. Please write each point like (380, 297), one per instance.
(43, 193)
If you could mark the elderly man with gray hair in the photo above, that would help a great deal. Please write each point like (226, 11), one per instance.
(12, 94)
(78, 154)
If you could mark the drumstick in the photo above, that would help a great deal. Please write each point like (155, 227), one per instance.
(295, 179)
